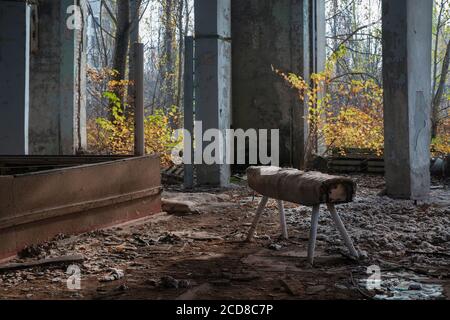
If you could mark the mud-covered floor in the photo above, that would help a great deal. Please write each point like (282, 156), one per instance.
(202, 255)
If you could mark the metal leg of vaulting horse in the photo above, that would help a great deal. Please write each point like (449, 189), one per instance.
(313, 233)
(259, 211)
(338, 222)
(283, 220)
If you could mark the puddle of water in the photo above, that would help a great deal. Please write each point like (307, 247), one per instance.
(407, 286)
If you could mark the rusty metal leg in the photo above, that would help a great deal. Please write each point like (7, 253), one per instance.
(338, 222)
(259, 211)
(313, 233)
(283, 220)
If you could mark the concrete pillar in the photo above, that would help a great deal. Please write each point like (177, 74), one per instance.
(188, 108)
(213, 81)
(318, 49)
(270, 33)
(14, 77)
(317, 35)
(58, 79)
(407, 27)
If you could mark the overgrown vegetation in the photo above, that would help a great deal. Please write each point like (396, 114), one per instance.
(114, 133)
(345, 102)
(341, 116)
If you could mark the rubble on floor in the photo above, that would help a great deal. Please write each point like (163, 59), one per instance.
(192, 256)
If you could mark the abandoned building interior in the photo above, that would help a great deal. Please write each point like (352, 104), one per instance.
(128, 225)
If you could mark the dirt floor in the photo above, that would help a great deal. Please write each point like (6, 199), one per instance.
(201, 254)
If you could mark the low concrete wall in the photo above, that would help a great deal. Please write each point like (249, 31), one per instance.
(35, 207)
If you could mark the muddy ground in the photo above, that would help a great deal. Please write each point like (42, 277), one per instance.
(202, 255)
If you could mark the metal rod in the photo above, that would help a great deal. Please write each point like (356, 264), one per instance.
(313, 233)
(139, 136)
(259, 211)
(338, 222)
(283, 220)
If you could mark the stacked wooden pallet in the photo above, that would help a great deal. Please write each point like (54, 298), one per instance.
(360, 161)
(173, 175)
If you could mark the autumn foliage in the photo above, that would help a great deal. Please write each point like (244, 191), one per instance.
(114, 134)
(340, 115)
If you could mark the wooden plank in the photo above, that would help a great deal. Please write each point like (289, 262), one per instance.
(346, 162)
(44, 262)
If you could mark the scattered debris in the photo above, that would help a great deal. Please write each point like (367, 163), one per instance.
(169, 282)
(123, 287)
(221, 282)
(275, 246)
(392, 234)
(151, 282)
(415, 286)
(287, 286)
(403, 285)
(184, 284)
(245, 277)
(115, 274)
(32, 251)
(168, 237)
(199, 236)
(315, 289)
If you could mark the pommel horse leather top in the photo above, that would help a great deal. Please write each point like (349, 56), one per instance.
(304, 188)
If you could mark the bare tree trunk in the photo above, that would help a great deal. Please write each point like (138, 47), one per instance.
(180, 53)
(436, 47)
(122, 36)
(439, 93)
(168, 57)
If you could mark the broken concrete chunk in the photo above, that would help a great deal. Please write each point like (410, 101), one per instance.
(274, 246)
(415, 286)
(115, 274)
(192, 203)
(169, 282)
(178, 207)
(169, 238)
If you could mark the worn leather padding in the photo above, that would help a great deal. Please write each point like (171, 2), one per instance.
(292, 185)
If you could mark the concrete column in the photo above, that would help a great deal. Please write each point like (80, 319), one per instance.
(407, 27)
(318, 48)
(317, 35)
(14, 77)
(188, 108)
(138, 92)
(58, 79)
(213, 81)
(271, 33)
